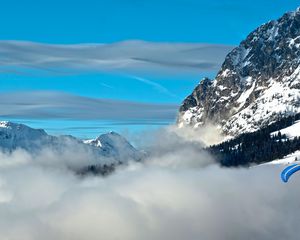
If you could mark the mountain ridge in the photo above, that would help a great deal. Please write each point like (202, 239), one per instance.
(114, 148)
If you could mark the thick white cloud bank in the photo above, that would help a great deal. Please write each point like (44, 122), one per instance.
(176, 194)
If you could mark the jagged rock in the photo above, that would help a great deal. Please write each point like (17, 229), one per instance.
(259, 81)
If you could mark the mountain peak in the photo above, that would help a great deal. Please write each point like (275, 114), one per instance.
(7, 124)
(18, 126)
(258, 82)
(116, 144)
(15, 135)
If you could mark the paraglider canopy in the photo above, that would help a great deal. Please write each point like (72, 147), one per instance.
(289, 171)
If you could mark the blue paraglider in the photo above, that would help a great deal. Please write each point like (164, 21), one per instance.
(289, 171)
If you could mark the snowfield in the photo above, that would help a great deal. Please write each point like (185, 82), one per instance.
(291, 131)
(286, 160)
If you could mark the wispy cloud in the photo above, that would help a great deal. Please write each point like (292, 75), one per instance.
(129, 57)
(59, 105)
(157, 86)
(106, 85)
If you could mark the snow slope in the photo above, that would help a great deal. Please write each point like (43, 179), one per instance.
(286, 160)
(291, 131)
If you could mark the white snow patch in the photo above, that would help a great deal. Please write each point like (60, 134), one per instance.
(225, 73)
(245, 95)
(288, 159)
(221, 87)
(291, 131)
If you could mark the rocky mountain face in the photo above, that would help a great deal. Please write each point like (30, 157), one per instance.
(259, 81)
(109, 148)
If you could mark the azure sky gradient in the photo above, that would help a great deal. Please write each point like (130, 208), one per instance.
(148, 53)
(98, 21)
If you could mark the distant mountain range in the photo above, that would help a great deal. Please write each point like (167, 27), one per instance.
(108, 149)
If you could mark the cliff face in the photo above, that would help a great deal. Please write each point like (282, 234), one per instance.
(258, 82)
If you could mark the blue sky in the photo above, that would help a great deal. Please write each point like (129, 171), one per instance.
(154, 52)
(90, 21)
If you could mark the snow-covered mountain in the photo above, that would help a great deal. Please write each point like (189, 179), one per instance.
(108, 148)
(259, 81)
(116, 145)
(13, 136)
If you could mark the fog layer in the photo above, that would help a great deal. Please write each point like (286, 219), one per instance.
(178, 193)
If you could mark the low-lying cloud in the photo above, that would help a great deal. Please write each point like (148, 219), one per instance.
(59, 105)
(171, 196)
(127, 57)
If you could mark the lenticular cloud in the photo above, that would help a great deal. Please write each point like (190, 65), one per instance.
(128, 57)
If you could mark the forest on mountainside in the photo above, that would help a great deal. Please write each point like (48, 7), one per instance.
(257, 147)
